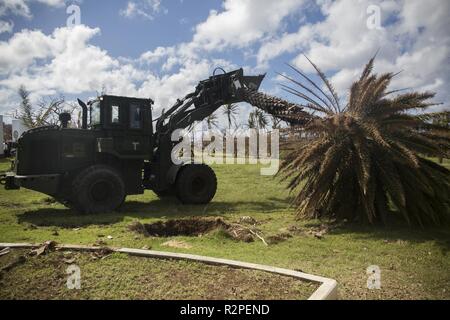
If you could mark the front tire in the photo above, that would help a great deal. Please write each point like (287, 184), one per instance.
(196, 184)
(98, 189)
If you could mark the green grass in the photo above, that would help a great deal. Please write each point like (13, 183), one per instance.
(414, 262)
(45, 277)
(445, 162)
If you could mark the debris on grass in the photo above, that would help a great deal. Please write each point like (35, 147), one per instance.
(177, 244)
(5, 251)
(248, 220)
(196, 227)
(17, 262)
(295, 230)
(99, 243)
(69, 261)
(240, 233)
(278, 238)
(44, 249)
(138, 227)
(101, 254)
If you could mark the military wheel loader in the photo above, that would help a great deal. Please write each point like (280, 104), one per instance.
(121, 150)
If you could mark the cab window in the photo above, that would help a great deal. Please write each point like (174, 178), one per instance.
(115, 114)
(95, 113)
(135, 116)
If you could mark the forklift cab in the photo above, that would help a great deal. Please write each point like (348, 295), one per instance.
(125, 125)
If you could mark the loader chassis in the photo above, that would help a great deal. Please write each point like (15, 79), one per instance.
(118, 151)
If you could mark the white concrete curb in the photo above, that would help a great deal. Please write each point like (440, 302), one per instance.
(327, 290)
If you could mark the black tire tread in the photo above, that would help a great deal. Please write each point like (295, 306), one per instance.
(77, 187)
(181, 193)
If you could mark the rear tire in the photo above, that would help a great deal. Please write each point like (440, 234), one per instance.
(98, 189)
(196, 184)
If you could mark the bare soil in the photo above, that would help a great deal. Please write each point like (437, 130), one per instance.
(194, 227)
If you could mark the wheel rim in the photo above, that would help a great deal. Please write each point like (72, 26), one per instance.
(198, 186)
(100, 191)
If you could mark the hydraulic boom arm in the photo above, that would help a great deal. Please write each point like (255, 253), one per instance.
(209, 96)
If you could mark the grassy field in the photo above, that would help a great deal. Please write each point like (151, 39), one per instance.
(104, 278)
(415, 263)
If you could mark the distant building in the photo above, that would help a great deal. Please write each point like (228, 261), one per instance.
(18, 128)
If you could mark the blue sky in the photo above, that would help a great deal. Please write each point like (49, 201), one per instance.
(162, 48)
(123, 36)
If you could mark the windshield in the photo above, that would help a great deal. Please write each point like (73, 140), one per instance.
(95, 113)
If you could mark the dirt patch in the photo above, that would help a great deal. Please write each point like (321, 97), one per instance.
(184, 227)
(195, 227)
(278, 238)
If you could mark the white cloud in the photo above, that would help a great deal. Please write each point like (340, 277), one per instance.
(53, 3)
(21, 7)
(242, 22)
(6, 26)
(414, 38)
(143, 8)
(15, 7)
(23, 49)
(66, 62)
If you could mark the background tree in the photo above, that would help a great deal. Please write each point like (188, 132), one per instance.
(45, 112)
(212, 121)
(7, 132)
(252, 122)
(276, 122)
(440, 120)
(230, 111)
(257, 119)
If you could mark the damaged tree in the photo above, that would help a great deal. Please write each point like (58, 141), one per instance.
(362, 158)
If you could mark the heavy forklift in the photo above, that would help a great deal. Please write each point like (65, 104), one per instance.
(121, 150)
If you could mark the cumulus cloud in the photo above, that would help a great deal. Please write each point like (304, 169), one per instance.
(6, 26)
(14, 7)
(21, 7)
(413, 37)
(242, 22)
(66, 62)
(146, 9)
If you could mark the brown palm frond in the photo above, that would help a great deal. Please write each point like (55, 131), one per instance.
(330, 108)
(327, 108)
(335, 99)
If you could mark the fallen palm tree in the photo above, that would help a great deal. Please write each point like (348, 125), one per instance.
(366, 159)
